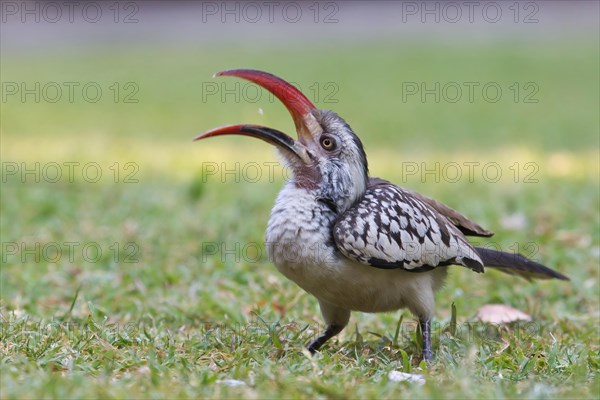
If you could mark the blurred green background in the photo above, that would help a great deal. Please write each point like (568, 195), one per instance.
(159, 201)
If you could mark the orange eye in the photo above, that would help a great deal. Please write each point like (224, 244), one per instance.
(327, 142)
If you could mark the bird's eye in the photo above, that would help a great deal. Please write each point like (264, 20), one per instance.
(328, 143)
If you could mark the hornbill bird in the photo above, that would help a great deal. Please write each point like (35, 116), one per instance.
(355, 242)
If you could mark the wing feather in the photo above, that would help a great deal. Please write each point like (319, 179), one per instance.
(465, 225)
(392, 228)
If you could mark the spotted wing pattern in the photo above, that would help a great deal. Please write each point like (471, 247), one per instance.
(392, 228)
(465, 225)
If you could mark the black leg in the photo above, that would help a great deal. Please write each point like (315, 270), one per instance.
(426, 336)
(330, 332)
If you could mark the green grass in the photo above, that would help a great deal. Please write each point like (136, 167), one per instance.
(156, 316)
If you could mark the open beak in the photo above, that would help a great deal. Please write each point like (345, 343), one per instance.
(300, 108)
(269, 135)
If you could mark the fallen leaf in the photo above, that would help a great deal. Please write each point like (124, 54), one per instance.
(574, 238)
(500, 314)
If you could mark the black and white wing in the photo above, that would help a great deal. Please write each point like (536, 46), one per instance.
(465, 225)
(392, 228)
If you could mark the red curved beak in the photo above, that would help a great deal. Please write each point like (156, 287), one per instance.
(297, 104)
(294, 100)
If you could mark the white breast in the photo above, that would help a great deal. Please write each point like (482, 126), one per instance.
(299, 234)
(300, 245)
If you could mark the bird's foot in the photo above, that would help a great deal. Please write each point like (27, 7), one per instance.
(427, 354)
(330, 332)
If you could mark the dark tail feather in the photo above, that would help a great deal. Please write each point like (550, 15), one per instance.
(516, 264)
